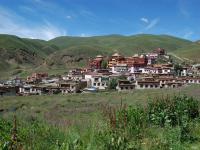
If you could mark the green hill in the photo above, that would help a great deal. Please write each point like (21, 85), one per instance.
(15, 50)
(124, 44)
(191, 52)
(65, 51)
(85, 47)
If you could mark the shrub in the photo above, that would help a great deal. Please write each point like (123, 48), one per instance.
(112, 84)
(173, 111)
(5, 128)
(169, 113)
(166, 123)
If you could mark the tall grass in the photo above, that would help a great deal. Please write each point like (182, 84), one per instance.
(165, 123)
(173, 118)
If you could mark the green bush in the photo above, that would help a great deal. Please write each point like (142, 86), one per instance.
(165, 123)
(174, 115)
(173, 111)
(112, 84)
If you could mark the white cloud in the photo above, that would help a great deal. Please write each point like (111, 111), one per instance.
(14, 24)
(152, 24)
(149, 24)
(69, 17)
(145, 20)
(89, 15)
(26, 9)
(183, 8)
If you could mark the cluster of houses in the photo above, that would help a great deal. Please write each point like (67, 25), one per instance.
(128, 73)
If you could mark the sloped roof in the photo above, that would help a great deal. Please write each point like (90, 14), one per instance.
(116, 55)
(99, 56)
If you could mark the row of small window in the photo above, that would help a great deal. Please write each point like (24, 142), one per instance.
(187, 81)
(162, 81)
(156, 71)
(30, 90)
(192, 81)
(74, 78)
(127, 88)
(99, 84)
(172, 86)
(146, 86)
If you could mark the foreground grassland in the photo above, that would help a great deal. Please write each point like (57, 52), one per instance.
(82, 121)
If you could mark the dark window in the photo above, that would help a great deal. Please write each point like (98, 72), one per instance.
(146, 86)
(26, 89)
(126, 88)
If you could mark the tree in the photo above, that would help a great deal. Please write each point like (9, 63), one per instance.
(178, 68)
(112, 84)
(104, 64)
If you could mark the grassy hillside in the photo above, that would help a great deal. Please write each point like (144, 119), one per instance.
(13, 43)
(77, 54)
(191, 52)
(65, 52)
(124, 44)
(86, 47)
(24, 51)
(19, 55)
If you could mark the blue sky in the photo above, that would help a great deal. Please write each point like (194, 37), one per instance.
(47, 19)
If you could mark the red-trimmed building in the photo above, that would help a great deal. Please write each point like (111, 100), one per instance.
(37, 77)
(96, 62)
(137, 61)
(160, 51)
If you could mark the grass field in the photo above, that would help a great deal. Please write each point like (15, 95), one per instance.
(75, 108)
(80, 116)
